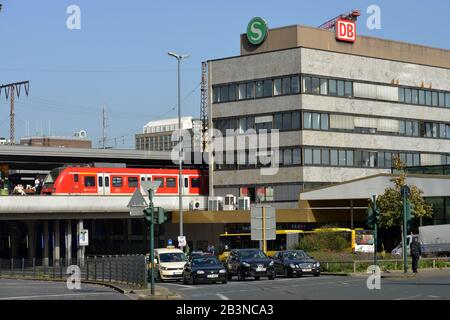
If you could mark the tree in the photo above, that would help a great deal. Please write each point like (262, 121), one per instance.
(391, 202)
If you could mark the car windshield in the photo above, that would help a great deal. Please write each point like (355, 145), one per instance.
(172, 257)
(206, 262)
(252, 254)
(293, 255)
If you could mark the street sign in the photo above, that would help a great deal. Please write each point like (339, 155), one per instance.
(169, 242)
(181, 241)
(83, 238)
(153, 185)
(345, 30)
(256, 223)
(137, 204)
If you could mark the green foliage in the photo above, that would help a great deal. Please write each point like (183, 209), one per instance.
(391, 202)
(324, 241)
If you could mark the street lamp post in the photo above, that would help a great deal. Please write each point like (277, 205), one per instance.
(180, 165)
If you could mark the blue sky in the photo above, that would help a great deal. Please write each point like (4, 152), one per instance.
(119, 57)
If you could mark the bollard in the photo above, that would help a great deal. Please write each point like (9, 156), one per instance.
(23, 267)
(434, 263)
(354, 266)
(12, 266)
(34, 267)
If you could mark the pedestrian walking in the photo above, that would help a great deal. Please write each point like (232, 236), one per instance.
(416, 252)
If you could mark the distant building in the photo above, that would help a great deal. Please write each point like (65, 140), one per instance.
(79, 140)
(157, 135)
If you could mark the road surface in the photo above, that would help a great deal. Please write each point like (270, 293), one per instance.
(433, 286)
(48, 290)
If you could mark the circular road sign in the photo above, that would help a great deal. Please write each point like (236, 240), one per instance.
(257, 31)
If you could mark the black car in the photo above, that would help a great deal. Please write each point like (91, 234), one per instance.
(205, 268)
(198, 254)
(249, 263)
(295, 263)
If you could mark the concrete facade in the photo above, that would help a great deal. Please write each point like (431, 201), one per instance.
(381, 75)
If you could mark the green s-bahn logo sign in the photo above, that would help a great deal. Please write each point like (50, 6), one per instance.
(256, 31)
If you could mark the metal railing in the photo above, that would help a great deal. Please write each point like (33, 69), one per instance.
(385, 264)
(124, 269)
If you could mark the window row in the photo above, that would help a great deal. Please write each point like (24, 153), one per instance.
(256, 89)
(424, 97)
(292, 156)
(325, 86)
(280, 121)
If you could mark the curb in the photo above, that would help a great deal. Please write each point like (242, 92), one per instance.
(335, 274)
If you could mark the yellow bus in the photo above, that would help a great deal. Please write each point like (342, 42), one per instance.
(361, 240)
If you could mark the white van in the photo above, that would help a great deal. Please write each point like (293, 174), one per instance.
(170, 263)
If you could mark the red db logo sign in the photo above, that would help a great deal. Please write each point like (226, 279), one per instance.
(346, 30)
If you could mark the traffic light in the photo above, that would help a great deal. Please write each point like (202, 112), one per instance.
(161, 215)
(410, 210)
(370, 217)
(148, 214)
(373, 215)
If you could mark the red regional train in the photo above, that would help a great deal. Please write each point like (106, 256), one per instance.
(121, 181)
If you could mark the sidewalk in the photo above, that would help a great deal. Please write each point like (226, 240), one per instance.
(161, 293)
(399, 274)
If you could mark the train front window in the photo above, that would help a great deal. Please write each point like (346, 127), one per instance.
(89, 181)
(50, 178)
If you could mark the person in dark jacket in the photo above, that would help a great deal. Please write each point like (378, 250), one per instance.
(416, 252)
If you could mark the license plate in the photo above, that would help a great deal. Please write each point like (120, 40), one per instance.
(306, 270)
(259, 269)
(178, 272)
(212, 276)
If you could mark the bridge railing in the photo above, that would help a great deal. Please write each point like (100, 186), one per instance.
(120, 269)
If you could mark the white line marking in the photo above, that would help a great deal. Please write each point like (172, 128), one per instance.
(222, 297)
(56, 295)
(407, 298)
(181, 285)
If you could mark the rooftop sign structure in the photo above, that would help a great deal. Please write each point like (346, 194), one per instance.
(257, 31)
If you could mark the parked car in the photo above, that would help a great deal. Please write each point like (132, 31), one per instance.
(249, 263)
(291, 263)
(196, 254)
(206, 268)
(169, 263)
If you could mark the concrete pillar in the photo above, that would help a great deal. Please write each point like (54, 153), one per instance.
(31, 236)
(68, 235)
(80, 249)
(13, 241)
(45, 252)
(56, 242)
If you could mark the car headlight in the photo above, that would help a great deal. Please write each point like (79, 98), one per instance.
(164, 268)
(245, 264)
(293, 266)
(271, 263)
(318, 264)
(222, 271)
(200, 272)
